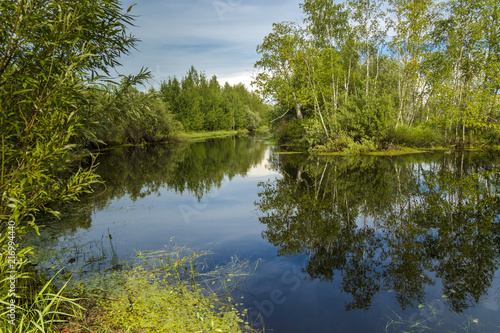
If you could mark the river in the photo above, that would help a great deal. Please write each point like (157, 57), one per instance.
(340, 244)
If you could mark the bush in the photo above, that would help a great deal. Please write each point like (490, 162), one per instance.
(342, 142)
(346, 144)
(290, 132)
(253, 119)
(314, 133)
(490, 137)
(363, 146)
(154, 123)
(126, 115)
(419, 136)
(52, 52)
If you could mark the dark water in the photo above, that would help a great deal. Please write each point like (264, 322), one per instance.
(348, 244)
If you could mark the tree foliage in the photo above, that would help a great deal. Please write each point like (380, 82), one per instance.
(50, 54)
(203, 104)
(364, 68)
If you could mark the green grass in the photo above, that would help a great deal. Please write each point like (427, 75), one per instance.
(200, 136)
(39, 307)
(396, 152)
(391, 152)
(168, 290)
(161, 291)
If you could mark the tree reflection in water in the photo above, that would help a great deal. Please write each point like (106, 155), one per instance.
(380, 224)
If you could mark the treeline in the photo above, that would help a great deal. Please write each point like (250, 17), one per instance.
(54, 58)
(120, 113)
(375, 72)
(200, 103)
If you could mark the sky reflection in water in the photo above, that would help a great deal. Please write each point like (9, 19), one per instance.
(349, 244)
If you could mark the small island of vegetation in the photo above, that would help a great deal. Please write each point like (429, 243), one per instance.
(367, 75)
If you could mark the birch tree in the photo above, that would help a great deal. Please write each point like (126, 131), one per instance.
(279, 52)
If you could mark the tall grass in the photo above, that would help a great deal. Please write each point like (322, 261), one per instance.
(419, 136)
(40, 309)
(164, 291)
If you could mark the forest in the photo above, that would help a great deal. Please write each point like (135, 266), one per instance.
(202, 104)
(365, 74)
(119, 113)
(356, 76)
(58, 102)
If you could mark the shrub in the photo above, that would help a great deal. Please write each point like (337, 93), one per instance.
(52, 52)
(419, 136)
(363, 146)
(346, 144)
(342, 142)
(314, 133)
(289, 132)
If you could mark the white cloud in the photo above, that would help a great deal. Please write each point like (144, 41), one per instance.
(262, 169)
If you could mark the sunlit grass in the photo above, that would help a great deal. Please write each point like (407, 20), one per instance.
(396, 152)
(202, 135)
(40, 309)
(168, 290)
(164, 291)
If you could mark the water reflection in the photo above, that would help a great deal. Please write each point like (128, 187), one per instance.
(139, 172)
(388, 224)
(340, 234)
(195, 168)
(146, 199)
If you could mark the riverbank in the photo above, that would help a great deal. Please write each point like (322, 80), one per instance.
(397, 151)
(203, 135)
(160, 291)
(161, 294)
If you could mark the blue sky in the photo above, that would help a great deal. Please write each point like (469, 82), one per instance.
(215, 36)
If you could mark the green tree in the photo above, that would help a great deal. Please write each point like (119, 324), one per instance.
(466, 61)
(412, 23)
(50, 54)
(201, 104)
(276, 82)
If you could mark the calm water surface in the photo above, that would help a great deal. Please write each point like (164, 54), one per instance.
(348, 244)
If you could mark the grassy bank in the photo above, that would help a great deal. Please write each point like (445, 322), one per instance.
(391, 152)
(161, 291)
(398, 151)
(203, 135)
